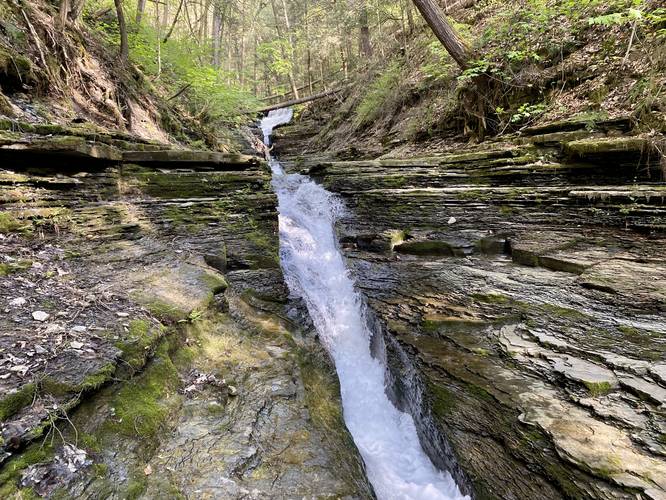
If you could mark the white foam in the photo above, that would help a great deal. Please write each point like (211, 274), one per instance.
(396, 464)
(273, 119)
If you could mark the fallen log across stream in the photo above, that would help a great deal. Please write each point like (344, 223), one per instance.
(302, 100)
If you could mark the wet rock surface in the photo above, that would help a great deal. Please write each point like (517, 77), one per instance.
(519, 288)
(148, 345)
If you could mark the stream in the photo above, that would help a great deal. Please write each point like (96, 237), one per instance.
(314, 268)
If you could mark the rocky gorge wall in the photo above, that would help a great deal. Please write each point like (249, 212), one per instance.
(148, 344)
(520, 287)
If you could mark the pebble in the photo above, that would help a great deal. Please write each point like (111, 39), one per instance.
(122, 315)
(76, 345)
(17, 302)
(79, 329)
(40, 316)
(452, 220)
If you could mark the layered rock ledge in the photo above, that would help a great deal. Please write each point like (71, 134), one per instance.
(520, 288)
(148, 346)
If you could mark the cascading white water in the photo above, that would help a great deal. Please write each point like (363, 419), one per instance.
(275, 118)
(397, 466)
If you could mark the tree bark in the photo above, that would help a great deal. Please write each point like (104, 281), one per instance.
(76, 9)
(63, 12)
(444, 32)
(140, 8)
(217, 29)
(292, 81)
(122, 25)
(70, 10)
(364, 32)
(173, 24)
(302, 100)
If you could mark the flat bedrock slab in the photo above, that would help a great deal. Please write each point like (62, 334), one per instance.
(61, 146)
(174, 156)
(644, 284)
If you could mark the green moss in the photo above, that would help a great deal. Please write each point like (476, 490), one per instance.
(164, 311)
(474, 195)
(15, 70)
(7, 268)
(480, 392)
(397, 237)
(443, 401)
(142, 337)
(10, 474)
(628, 330)
(382, 94)
(394, 181)
(141, 405)
(135, 488)
(606, 145)
(435, 324)
(215, 282)
(322, 398)
(491, 298)
(564, 312)
(10, 224)
(268, 256)
(90, 442)
(12, 403)
(51, 385)
(598, 388)
(100, 470)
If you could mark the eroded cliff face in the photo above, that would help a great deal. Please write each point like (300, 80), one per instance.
(148, 345)
(520, 288)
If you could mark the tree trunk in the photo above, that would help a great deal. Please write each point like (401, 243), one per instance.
(302, 100)
(410, 17)
(140, 8)
(217, 28)
(76, 9)
(292, 81)
(365, 48)
(444, 32)
(241, 50)
(159, 39)
(70, 10)
(63, 12)
(124, 45)
(173, 24)
(203, 24)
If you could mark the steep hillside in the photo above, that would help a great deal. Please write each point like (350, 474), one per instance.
(536, 62)
(73, 77)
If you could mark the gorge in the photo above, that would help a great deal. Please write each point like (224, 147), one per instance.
(386, 438)
(392, 249)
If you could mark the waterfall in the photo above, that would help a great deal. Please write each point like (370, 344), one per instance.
(314, 268)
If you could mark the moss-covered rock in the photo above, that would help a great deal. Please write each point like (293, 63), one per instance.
(13, 402)
(16, 71)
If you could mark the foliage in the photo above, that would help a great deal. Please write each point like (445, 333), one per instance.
(527, 112)
(182, 63)
(384, 89)
(438, 67)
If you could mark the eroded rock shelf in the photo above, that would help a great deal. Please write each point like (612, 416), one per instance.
(148, 346)
(520, 287)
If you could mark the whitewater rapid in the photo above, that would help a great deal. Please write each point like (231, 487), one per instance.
(396, 465)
